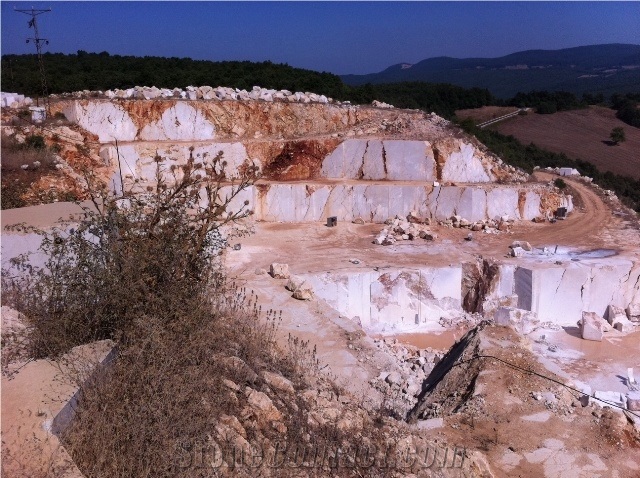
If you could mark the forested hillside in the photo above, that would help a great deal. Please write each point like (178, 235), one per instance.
(101, 71)
(605, 69)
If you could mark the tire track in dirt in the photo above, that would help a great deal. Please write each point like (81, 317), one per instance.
(585, 224)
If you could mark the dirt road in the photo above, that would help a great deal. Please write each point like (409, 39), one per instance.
(591, 225)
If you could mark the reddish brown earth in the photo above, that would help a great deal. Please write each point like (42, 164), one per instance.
(580, 134)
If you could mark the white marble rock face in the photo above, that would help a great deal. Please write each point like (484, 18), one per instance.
(180, 122)
(402, 160)
(408, 160)
(465, 167)
(109, 121)
(399, 299)
(560, 293)
(394, 160)
(300, 202)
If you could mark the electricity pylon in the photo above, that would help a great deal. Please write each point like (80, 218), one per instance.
(34, 12)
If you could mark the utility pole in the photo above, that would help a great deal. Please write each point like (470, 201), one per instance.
(34, 12)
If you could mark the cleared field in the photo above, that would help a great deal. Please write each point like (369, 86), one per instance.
(486, 113)
(580, 134)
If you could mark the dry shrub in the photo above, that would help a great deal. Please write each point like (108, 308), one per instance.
(16, 180)
(131, 257)
(166, 388)
(15, 154)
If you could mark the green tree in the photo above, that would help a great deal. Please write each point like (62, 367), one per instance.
(617, 135)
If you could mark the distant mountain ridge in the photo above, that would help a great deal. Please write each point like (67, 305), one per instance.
(596, 68)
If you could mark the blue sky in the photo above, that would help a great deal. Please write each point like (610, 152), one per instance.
(340, 37)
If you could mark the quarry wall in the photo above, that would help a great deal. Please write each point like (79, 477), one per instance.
(376, 202)
(418, 298)
(310, 166)
(559, 293)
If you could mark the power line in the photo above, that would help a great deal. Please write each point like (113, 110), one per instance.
(533, 372)
(34, 12)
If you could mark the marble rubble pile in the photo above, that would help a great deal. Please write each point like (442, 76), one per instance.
(380, 104)
(405, 229)
(404, 385)
(220, 93)
(522, 321)
(487, 226)
(416, 227)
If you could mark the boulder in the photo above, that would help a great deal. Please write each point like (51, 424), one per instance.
(633, 401)
(403, 227)
(380, 239)
(592, 326)
(278, 382)
(517, 252)
(231, 385)
(262, 405)
(633, 312)
(523, 321)
(240, 367)
(617, 318)
(522, 244)
(428, 235)
(294, 283)
(503, 226)
(151, 93)
(358, 220)
(304, 292)
(279, 271)
(301, 290)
